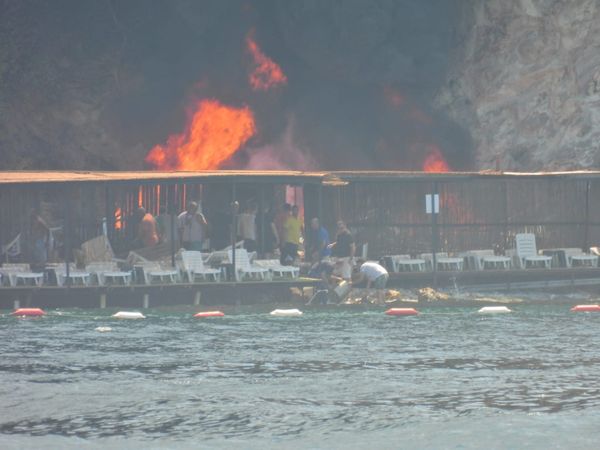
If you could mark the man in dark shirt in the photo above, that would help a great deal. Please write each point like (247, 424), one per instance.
(344, 246)
(343, 249)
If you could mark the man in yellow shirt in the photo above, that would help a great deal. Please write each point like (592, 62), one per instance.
(291, 236)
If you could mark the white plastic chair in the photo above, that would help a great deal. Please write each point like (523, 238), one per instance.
(496, 261)
(276, 268)
(576, 258)
(449, 263)
(394, 261)
(527, 252)
(107, 272)
(193, 266)
(23, 273)
(442, 260)
(428, 258)
(404, 263)
(74, 275)
(244, 268)
(153, 271)
(486, 259)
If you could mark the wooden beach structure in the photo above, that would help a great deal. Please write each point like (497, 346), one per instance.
(389, 213)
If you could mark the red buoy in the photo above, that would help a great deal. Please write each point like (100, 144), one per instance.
(402, 312)
(204, 314)
(586, 308)
(31, 312)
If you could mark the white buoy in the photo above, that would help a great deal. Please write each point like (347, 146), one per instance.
(103, 329)
(129, 315)
(494, 310)
(286, 313)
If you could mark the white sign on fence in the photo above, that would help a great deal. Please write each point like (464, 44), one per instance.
(432, 205)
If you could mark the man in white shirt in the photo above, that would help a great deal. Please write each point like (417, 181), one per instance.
(375, 276)
(192, 226)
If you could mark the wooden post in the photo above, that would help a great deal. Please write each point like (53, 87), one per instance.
(146, 301)
(506, 218)
(262, 217)
(586, 234)
(320, 204)
(234, 210)
(172, 210)
(109, 214)
(103, 301)
(197, 298)
(434, 234)
(68, 232)
(17, 304)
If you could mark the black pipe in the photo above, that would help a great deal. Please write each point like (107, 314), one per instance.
(234, 208)
(586, 243)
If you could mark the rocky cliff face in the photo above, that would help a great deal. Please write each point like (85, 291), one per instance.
(525, 81)
(57, 77)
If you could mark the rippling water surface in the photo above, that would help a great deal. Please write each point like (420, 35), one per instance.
(334, 378)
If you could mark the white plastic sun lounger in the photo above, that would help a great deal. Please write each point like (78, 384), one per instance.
(22, 273)
(244, 268)
(527, 253)
(193, 266)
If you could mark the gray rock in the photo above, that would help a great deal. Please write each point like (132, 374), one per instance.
(526, 83)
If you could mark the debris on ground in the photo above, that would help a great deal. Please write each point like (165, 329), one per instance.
(431, 295)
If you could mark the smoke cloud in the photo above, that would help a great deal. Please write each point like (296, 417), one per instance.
(117, 79)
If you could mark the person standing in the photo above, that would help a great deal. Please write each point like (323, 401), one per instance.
(290, 237)
(278, 222)
(147, 233)
(319, 241)
(246, 227)
(40, 239)
(132, 228)
(268, 237)
(192, 226)
(343, 248)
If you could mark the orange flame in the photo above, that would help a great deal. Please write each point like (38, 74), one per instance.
(214, 133)
(435, 162)
(266, 73)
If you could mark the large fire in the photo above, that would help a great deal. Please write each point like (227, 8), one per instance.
(266, 73)
(434, 161)
(214, 133)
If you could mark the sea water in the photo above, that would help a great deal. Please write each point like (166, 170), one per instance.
(333, 378)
